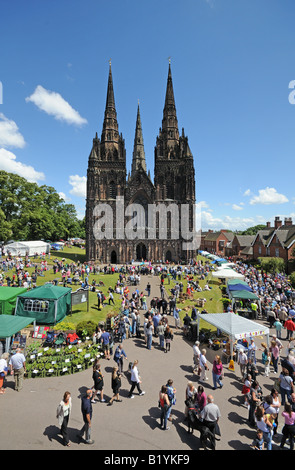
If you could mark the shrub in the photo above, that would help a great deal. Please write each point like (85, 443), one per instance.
(85, 328)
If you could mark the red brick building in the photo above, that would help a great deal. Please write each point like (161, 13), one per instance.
(277, 241)
(216, 242)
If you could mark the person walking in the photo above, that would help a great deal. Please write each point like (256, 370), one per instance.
(203, 365)
(119, 356)
(288, 430)
(105, 341)
(275, 354)
(196, 358)
(17, 368)
(116, 385)
(286, 386)
(63, 413)
(168, 338)
(98, 383)
(242, 361)
(217, 372)
(86, 409)
(135, 380)
(210, 415)
(264, 424)
(149, 332)
(164, 404)
(171, 392)
(160, 333)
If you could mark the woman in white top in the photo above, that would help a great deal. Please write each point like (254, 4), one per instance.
(63, 413)
(135, 380)
(203, 365)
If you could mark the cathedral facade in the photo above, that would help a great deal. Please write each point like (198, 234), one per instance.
(129, 217)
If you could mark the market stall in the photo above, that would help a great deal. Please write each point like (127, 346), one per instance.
(29, 248)
(236, 327)
(10, 325)
(8, 296)
(47, 304)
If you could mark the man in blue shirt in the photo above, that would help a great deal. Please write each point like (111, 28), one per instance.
(86, 409)
(105, 341)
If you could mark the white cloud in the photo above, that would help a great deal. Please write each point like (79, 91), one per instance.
(9, 133)
(247, 192)
(208, 220)
(202, 204)
(9, 163)
(236, 207)
(78, 184)
(64, 196)
(268, 196)
(55, 105)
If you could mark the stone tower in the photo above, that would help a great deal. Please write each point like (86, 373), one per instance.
(173, 188)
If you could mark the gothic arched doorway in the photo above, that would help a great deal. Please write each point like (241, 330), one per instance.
(113, 257)
(141, 252)
(168, 256)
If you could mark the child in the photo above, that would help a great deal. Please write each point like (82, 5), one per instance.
(246, 389)
(258, 443)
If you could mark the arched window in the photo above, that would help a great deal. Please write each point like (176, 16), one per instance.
(112, 190)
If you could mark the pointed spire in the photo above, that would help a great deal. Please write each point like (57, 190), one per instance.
(169, 122)
(138, 159)
(110, 125)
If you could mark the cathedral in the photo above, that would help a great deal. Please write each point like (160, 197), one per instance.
(130, 217)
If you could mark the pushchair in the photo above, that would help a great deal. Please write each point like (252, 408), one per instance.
(49, 340)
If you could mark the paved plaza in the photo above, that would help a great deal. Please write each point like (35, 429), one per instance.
(28, 417)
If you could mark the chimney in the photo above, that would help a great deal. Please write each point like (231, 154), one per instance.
(268, 224)
(278, 222)
(288, 221)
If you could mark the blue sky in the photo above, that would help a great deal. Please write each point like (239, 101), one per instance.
(232, 62)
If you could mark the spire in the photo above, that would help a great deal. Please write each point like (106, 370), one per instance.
(110, 125)
(138, 159)
(169, 122)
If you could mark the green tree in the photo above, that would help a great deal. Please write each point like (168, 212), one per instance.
(32, 212)
(272, 265)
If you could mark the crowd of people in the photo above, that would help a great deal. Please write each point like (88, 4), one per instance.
(277, 301)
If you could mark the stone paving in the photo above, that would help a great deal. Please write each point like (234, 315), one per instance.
(28, 417)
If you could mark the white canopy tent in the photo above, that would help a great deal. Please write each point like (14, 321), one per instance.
(233, 325)
(27, 248)
(227, 273)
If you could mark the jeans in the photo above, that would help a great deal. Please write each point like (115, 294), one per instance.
(87, 430)
(275, 363)
(284, 392)
(267, 440)
(217, 380)
(161, 340)
(165, 416)
(149, 341)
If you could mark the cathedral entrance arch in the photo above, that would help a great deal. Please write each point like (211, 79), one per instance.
(168, 256)
(141, 252)
(113, 257)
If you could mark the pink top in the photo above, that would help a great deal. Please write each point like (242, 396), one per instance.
(288, 419)
(275, 352)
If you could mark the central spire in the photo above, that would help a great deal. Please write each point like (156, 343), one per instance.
(169, 121)
(138, 159)
(110, 124)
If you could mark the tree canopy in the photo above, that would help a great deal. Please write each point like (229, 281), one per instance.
(32, 212)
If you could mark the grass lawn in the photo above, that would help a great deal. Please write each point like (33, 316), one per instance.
(74, 254)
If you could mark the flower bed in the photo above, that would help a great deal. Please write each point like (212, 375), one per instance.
(50, 362)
